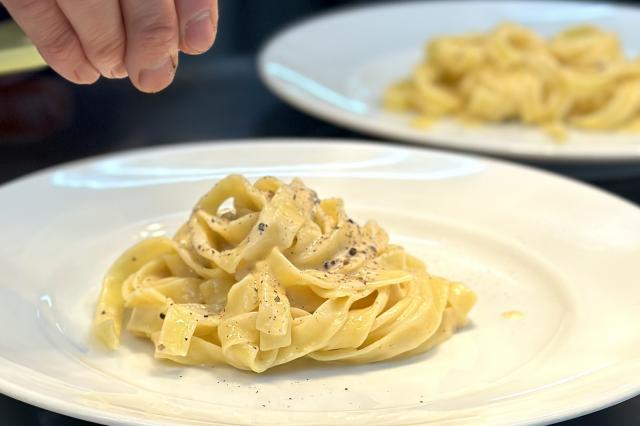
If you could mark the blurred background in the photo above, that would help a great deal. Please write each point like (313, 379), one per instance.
(45, 120)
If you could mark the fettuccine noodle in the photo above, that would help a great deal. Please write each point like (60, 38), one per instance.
(578, 78)
(279, 276)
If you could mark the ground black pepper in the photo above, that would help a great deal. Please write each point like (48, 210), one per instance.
(162, 315)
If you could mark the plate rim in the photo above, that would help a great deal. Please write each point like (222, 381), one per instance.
(74, 409)
(348, 120)
(361, 141)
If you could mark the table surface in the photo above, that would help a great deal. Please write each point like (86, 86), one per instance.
(45, 121)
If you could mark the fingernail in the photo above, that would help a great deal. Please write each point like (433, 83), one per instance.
(198, 31)
(86, 74)
(119, 71)
(154, 79)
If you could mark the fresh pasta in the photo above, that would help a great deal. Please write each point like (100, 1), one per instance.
(277, 276)
(579, 78)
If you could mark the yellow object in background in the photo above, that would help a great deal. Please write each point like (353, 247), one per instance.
(17, 53)
(578, 78)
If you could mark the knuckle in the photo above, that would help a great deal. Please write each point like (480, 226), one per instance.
(109, 50)
(157, 31)
(59, 42)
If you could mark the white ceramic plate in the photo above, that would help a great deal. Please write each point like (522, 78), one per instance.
(337, 65)
(564, 254)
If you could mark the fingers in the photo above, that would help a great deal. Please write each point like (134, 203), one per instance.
(116, 38)
(98, 24)
(198, 24)
(55, 38)
(152, 42)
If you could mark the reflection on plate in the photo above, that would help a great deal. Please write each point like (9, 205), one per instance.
(561, 254)
(378, 44)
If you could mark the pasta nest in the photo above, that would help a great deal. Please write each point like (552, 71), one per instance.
(277, 276)
(579, 77)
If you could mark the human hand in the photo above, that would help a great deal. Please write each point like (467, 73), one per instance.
(84, 39)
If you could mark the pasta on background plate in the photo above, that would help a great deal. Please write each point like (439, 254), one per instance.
(279, 276)
(580, 78)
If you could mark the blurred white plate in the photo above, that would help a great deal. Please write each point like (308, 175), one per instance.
(336, 67)
(562, 253)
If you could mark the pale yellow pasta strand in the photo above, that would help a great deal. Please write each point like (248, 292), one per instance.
(624, 105)
(107, 323)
